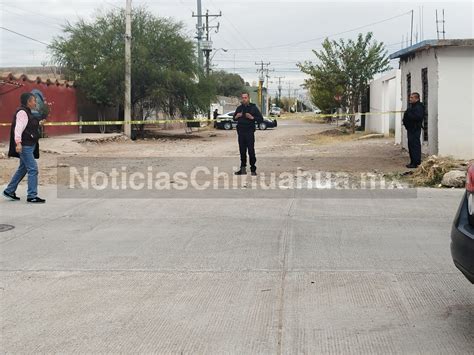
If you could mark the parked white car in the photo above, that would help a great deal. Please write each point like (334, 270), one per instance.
(275, 111)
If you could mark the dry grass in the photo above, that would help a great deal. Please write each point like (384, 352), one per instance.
(432, 170)
(315, 119)
(333, 136)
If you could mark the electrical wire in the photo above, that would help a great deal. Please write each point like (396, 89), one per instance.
(25, 36)
(327, 36)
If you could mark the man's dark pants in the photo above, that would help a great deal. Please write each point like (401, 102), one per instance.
(414, 145)
(247, 142)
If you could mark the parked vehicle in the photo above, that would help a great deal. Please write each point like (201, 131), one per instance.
(462, 232)
(275, 111)
(225, 121)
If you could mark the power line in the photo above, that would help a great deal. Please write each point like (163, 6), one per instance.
(327, 36)
(113, 5)
(23, 19)
(239, 37)
(36, 14)
(25, 36)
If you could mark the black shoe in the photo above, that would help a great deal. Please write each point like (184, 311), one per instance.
(11, 197)
(253, 173)
(412, 166)
(242, 171)
(36, 200)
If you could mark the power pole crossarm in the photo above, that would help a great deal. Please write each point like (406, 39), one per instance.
(207, 46)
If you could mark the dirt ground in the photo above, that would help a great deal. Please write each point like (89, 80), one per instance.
(294, 143)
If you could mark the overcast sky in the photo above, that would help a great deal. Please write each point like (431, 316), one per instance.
(280, 32)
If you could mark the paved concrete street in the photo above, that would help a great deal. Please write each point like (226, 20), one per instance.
(233, 276)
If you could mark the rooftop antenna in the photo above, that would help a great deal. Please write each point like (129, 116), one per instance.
(422, 26)
(444, 32)
(442, 21)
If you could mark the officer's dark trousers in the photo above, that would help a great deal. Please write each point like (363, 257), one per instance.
(247, 142)
(414, 145)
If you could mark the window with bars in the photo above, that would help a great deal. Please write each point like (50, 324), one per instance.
(424, 85)
(408, 88)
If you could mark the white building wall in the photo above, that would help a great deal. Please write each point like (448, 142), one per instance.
(384, 98)
(414, 65)
(398, 104)
(373, 121)
(455, 102)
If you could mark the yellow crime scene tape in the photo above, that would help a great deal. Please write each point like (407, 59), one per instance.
(324, 115)
(146, 122)
(109, 123)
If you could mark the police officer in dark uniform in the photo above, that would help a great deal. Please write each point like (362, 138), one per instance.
(413, 122)
(247, 115)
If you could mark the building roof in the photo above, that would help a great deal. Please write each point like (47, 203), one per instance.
(432, 43)
(48, 79)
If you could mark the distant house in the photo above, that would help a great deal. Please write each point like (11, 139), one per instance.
(385, 96)
(442, 72)
(225, 104)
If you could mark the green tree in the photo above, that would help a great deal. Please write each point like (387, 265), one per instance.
(228, 84)
(344, 68)
(165, 73)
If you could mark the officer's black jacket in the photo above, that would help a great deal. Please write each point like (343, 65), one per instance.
(243, 122)
(413, 116)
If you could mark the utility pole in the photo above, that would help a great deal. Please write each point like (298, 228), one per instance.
(411, 29)
(289, 96)
(206, 46)
(267, 101)
(279, 88)
(128, 70)
(261, 79)
(199, 34)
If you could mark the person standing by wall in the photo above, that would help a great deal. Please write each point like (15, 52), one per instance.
(24, 136)
(413, 122)
(246, 115)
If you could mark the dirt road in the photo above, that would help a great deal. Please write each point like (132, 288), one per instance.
(296, 143)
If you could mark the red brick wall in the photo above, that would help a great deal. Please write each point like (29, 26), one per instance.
(62, 100)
